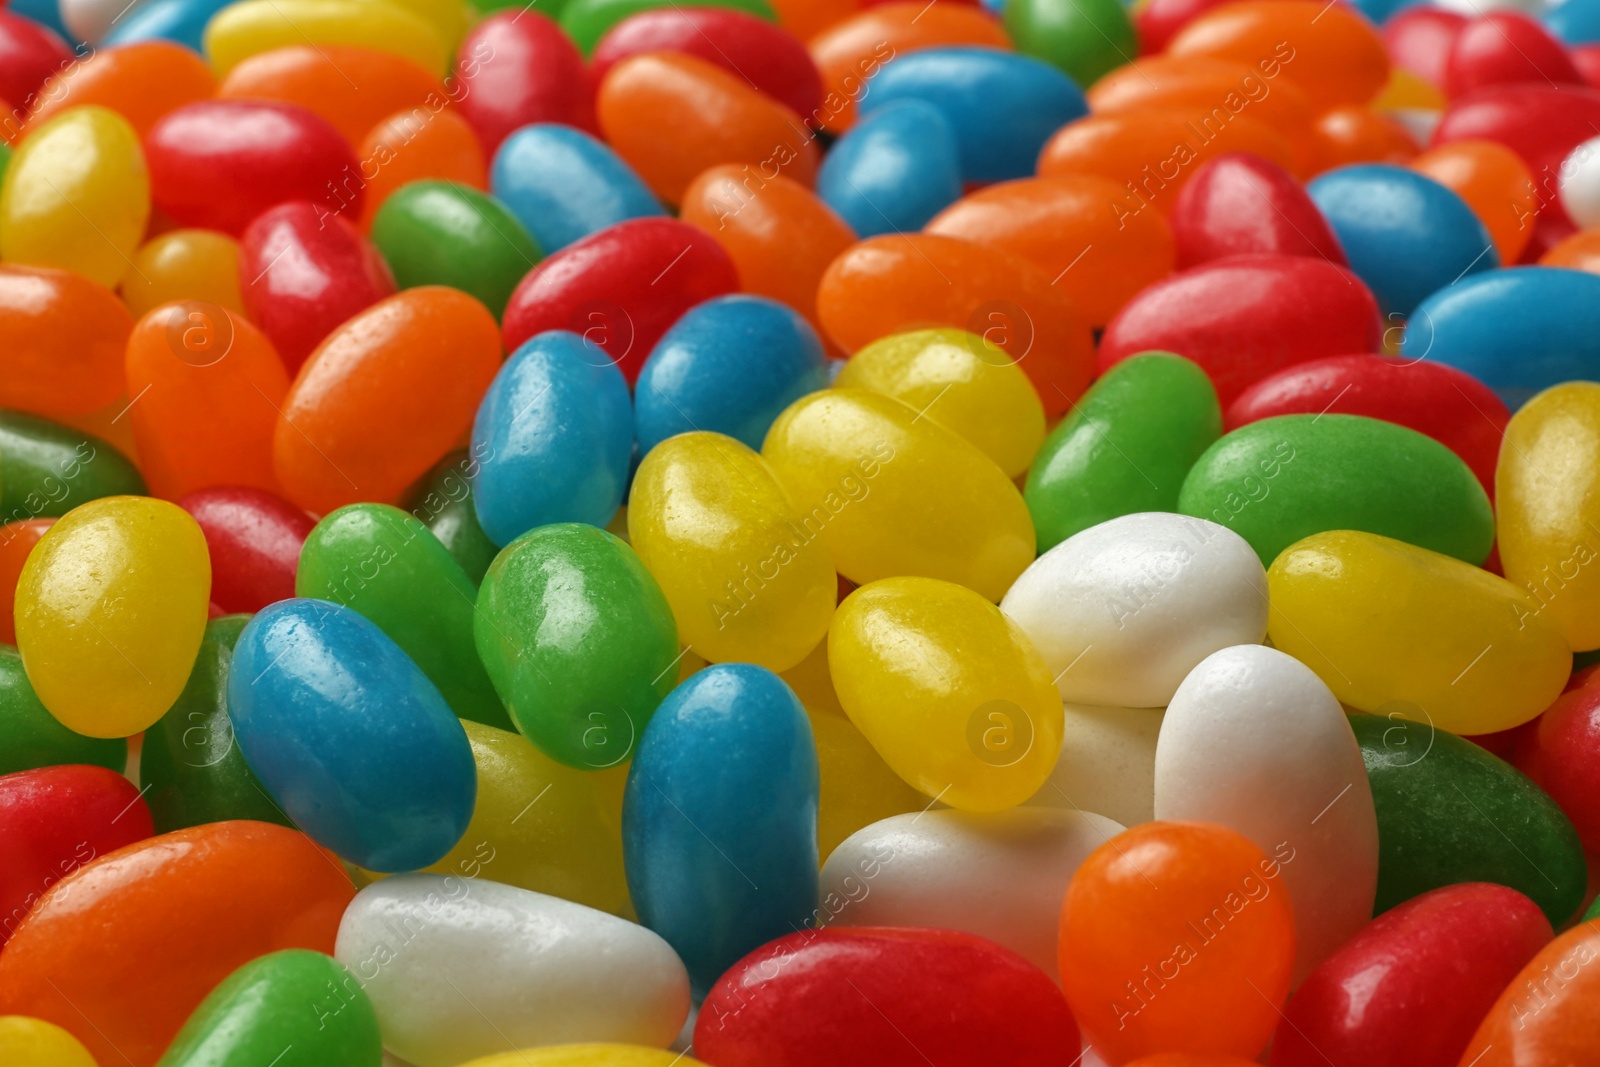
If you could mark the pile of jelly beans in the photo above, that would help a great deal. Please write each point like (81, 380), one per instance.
(800, 533)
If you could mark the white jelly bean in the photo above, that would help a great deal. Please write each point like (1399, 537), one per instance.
(1580, 183)
(1107, 763)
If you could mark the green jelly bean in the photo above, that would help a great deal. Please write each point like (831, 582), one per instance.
(1278, 480)
(1084, 38)
(445, 233)
(1124, 448)
(1593, 912)
(579, 640)
(190, 767)
(586, 21)
(385, 564)
(47, 469)
(31, 737)
(292, 1008)
(1450, 811)
(442, 501)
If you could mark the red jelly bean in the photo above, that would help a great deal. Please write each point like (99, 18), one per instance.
(516, 68)
(1247, 317)
(29, 53)
(1419, 39)
(875, 997)
(56, 819)
(621, 288)
(254, 539)
(1506, 48)
(1546, 1016)
(1159, 21)
(220, 163)
(1402, 992)
(1563, 756)
(1586, 58)
(1540, 123)
(1240, 203)
(303, 272)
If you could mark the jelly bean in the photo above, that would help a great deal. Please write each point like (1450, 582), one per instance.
(1109, 766)
(871, 984)
(440, 233)
(260, 1010)
(184, 265)
(30, 737)
(563, 185)
(1074, 229)
(17, 539)
(254, 539)
(1085, 41)
(189, 766)
(47, 469)
(1419, 40)
(621, 288)
(1505, 48)
(138, 938)
(180, 21)
(568, 844)
(1580, 182)
(1493, 182)
(1549, 314)
(1546, 1014)
(1442, 803)
(61, 341)
(1345, 472)
(403, 148)
(578, 640)
(521, 69)
(1251, 723)
(208, 385)
(893, 171)
(807, 18)
(553, 393)
(383, 563)
(779, 235)
(1542, 124)
(998, 875)
(1083, 602)
(860, 469)
(960, 381)
(1560, 757)
(77, 196)
(548, 969)
(1362, 1004)
(442, 500)
(1431, 398)
(250, 27)
(29, 1042)
(858, 787)
(719, 819)
(385, 395)
(588, 1055)
(1578, 24)
(141, 82)
(29, 54)
(670, 116)
(308, 272)
(1184, 1059)
(349, 736)
(1218, 214)
(587, 21)
(1350, 135)
(1157, 413)
(85, 20)
(891, 284)
(217, 164)
(352, 88)
(770, 59)
(1441, 620)
(144, 605)
(55, 820)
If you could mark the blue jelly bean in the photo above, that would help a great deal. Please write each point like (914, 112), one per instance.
(563, 185)
(1002, 106)
(719, 820)
(1574, 21)
(729, 365)
(555, 436)
(1405, 235)
(1380, 11)
(44, 12)
(898, 168)
(1519, 331)
(349, 737)
(182, 21)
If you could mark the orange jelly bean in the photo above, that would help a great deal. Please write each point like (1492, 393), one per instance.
(184, 265)
(61, 341)
(120, 952)
(16, 541)
(141, 82)
(388, 393)
(353, 88)
(671, 116)
(1353, 134)
(1177, 937)
(207, 387)
(1546, 1017)
(1496, 185)
(899, 282)
(807, 18)
(1581, 251)
(411, 146)
(780, 237)
(1072, 229)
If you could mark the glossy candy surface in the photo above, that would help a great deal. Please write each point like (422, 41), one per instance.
(47, 468)
(1514, 1034)
(30, 737)
(63, 339)
(441, 233)
(1220, 213)
(563, 185)
(254, 539)
(184, 265)
(895, 170)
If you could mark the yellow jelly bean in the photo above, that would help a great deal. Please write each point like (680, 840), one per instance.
(960, 381)
(746, 579)
(948, 690)
(447, 17)
(27, 1042)
(184, 265)
(587, 1056)
(1547, 492)
(542, 825)
(77, 196)
(242, 30)
(110, 610)
(893, 493)
(1396, 629)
